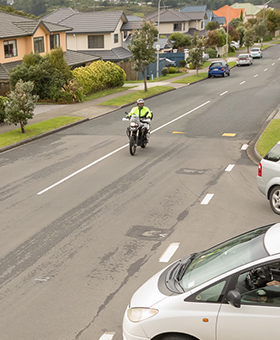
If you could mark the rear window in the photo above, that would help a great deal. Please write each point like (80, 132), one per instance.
(274, 154)
(255, 49)
(243, 56)
(216, 64)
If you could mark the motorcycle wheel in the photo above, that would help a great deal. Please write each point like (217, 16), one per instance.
(132, 145)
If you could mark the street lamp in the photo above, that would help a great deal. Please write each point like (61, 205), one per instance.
(158, 45)
(227, 35)
(264, 8)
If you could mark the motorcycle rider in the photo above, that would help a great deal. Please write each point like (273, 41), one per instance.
(141, 111)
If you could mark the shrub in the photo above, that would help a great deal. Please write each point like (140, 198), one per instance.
(99, 75)
(190, 66)
(231, 49)
(172, 69)
(182, 63)
(212, 52)
(2, 108)
(164, 71)
(267, 38)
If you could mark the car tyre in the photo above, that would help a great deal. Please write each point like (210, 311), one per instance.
(176, 337)
(274, 199)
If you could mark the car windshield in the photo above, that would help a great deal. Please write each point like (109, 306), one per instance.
(224, 257)
(243, 56)
(274, 154)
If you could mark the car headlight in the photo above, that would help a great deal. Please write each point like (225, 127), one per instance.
(140, 314)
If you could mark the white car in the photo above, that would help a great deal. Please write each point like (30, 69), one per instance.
(228, 292)
(244, 59)
(268, 178)
(234, 44)
(256, 52)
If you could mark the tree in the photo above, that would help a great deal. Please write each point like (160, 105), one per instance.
(180, 39)
(196, 53)
(20, 104)
(141, 47)
(249, 38)
(241, 30)
(216, 38)
(261, 30)
(212, 25)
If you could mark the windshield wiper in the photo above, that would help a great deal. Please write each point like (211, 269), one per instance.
(183, 267)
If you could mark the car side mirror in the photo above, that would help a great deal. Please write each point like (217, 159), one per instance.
(234, 298)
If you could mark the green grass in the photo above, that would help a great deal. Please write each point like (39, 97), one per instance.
(104, 93)
(132, 97)
(14, 136)
(269, 138)
(192, 79)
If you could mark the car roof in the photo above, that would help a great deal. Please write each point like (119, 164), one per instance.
(271, 239)
(255, 48)
(243, 54)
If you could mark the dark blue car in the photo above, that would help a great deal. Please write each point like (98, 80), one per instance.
(218, 68)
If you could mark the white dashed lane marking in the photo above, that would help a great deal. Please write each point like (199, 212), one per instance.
(169, 252)
(107, 336)
(207, 199)
(229, 167)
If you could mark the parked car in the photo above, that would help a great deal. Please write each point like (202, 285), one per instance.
(268, 178)
(256, 52)
(244, 59)
(218, 68)
(169, 62)
(234, 44)
(230, 291)
(205, 56)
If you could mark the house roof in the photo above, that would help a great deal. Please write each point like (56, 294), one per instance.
(229, 13)
(163, 43)
(168, 15)
(132, 22)
(12, 25)
(249, 8)
(75, 58)
(59, 15)
(89, 22)
(190, 9)
(116, 54)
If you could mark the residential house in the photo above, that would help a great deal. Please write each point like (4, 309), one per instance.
(230, 13)
(211, 17)
(100, 34)
(20, 35)
(251, 11)
(198, 16)
(172, 21)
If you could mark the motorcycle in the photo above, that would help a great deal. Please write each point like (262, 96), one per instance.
(138, 132)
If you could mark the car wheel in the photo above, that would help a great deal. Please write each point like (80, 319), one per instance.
(176, 337)
(274, 199)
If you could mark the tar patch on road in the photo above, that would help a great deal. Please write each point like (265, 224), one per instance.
(147, 233)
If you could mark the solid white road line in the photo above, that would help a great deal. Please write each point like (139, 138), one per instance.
(115, 151)
(207, 199)
(107, 336)
(169, 252)
(230, 167)
(223, 93)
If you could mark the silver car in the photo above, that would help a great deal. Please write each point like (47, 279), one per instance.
(244, 59)
(256, 52)
(268, 178)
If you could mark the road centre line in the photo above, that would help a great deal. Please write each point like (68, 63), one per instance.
(169, 252)
(273, 64)
(223, 93)
(244, 147)
(230, 167)
(265, 69)
(107, 336)
(256, 75)
(115, 151)
(243, 82)
(207, 199)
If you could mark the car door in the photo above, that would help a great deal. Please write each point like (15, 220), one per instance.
(259, 312)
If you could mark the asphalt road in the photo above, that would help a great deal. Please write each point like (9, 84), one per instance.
(84, 224)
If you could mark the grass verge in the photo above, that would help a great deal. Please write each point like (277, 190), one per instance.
(192, 79)
(104, 93)
(14, 136)
(269, 138)
(132, 97)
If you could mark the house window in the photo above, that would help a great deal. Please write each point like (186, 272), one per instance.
(54, 41)
(10, 48)
(39, 45)
(96, 41)
(201, 25)
(177, 27)
(116, 38)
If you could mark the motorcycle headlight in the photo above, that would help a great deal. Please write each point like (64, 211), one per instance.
(133, 124)
(140, 314)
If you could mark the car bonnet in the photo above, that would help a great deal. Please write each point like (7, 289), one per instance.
(148, 294)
